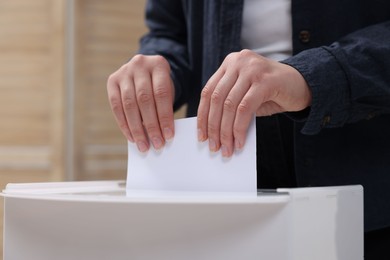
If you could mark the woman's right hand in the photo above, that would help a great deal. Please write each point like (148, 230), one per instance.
(141, 95)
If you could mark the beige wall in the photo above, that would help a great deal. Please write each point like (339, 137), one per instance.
(31, 90)
(106, 35)
(55, 57)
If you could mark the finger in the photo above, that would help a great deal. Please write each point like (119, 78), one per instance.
(132, 114)
(115, 99)
(163, 96)
(217, 100)
(228, 115)
(245, 112)
(204, 104)
(146, 104)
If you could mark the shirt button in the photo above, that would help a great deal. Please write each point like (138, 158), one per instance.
(304, 36)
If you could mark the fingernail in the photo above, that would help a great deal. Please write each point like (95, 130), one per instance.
(157, 143)
(200, 135)
(225, 151)
(168, 134)
(212, 145)
(142, 147)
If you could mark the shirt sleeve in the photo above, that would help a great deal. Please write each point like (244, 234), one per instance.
(349, 80)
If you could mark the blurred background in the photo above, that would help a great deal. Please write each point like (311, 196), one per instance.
(55, 57)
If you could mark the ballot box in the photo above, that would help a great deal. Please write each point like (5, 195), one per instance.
(99, 220)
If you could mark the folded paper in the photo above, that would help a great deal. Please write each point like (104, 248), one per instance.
(185, 164)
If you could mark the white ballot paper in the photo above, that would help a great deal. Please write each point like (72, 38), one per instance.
(185, 164)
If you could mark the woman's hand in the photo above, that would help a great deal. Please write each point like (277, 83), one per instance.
(244, 85)
(141, 96)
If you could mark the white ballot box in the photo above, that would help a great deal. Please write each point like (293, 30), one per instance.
(97, 220)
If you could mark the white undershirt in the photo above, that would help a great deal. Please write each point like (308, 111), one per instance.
(267, 28)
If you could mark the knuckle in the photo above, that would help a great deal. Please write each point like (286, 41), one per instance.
(225, 135)
(252, 60)
(161, 92)
(201, 119)
(129, 103)
(148, 61)
(232, 56)
(250, 56)
(138, 59)
(111, 79)
(212, 129)
(160, 64)
(160, 60)
(152, 129)
(243, 108)
(138, 133)
(164, 120)
(238, 130)
(245, 52)
(143, 97)
(123, 125)
(115, 105)
(229, 105)
(216, 97)
(206, 92)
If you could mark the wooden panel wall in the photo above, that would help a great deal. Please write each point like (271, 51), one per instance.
(31, 87)
(55, 57)
(31, 91)
(106, 36)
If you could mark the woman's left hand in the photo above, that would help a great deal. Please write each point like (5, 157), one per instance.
(246, 84)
